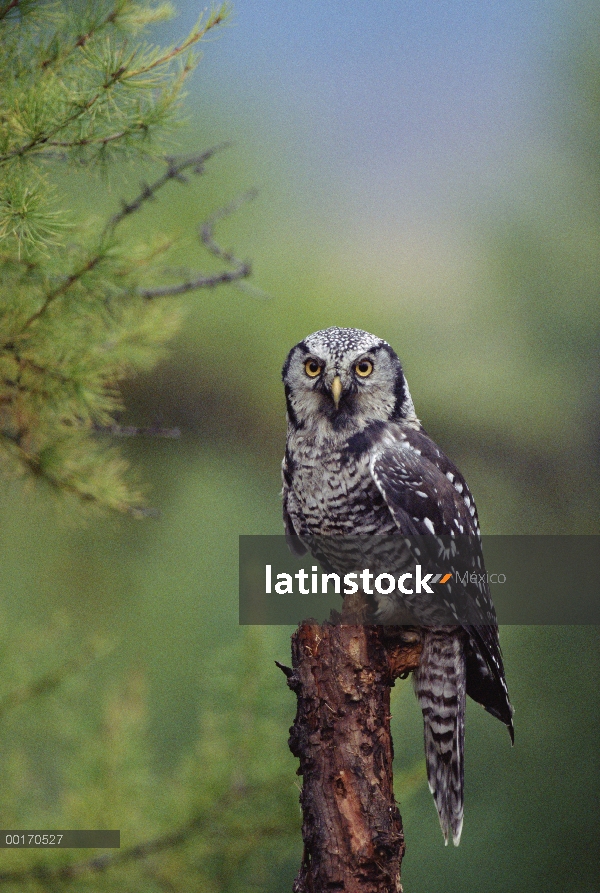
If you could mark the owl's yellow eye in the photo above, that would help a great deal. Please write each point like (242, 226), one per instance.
(364, 368)
(312, 368)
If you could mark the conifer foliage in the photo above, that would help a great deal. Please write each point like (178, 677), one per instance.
(79, 308)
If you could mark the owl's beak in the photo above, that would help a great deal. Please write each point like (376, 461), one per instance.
(336, 390)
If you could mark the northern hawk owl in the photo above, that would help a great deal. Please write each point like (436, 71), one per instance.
(358, 462)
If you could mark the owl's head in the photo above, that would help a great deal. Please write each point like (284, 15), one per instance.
(346, 377)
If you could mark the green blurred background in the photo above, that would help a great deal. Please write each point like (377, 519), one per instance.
(429, 172)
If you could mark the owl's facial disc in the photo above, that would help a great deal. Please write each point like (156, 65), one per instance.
(344, 378)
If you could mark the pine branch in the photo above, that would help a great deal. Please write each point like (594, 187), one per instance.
(216, 17)
(242, 269)
(201, 281)
(83, 399)
(87, 267)
(209, 227)
(174, 171)
(82, 39)
(77, 319)
(81, 109)
(122, 73)
(70, 484)
(98, 140)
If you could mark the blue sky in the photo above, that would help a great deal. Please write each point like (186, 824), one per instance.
(417, 105)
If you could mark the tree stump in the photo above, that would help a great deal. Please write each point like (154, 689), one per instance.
(352, 830)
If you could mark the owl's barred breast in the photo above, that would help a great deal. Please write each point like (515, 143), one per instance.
(332, 490)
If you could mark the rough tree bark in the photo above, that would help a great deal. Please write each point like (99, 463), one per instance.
(352, 829)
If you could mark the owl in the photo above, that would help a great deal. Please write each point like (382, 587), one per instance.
(359, 463)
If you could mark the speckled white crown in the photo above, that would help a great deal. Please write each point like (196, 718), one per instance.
(337, 342)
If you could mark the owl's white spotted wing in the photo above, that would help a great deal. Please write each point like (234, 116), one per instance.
(424, 491)
(427, 495)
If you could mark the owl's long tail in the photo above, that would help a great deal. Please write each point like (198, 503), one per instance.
(440, 686)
